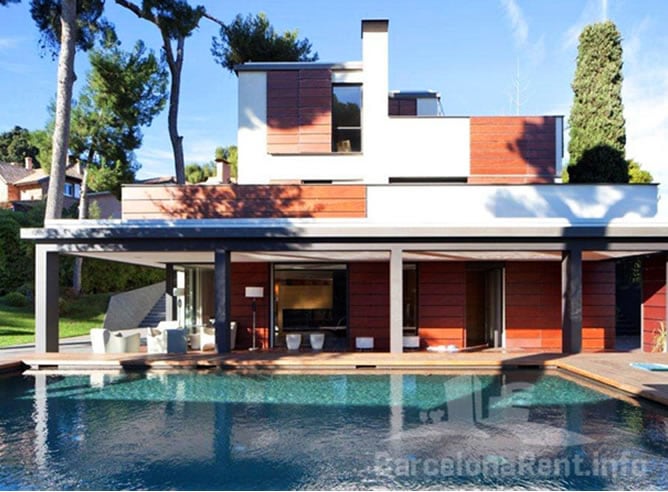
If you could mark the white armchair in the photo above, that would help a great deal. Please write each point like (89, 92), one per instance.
(166, 338)
(206, 337)
(104, 341)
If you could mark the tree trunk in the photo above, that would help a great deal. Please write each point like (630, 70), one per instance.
(175, 64)
(61, 132)
(83, 214)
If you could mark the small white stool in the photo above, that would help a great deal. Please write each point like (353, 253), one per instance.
(364, 343)
(317, 340)
(293, 341)
(412, 342)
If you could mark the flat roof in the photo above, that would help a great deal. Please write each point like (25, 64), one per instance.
(269, 66)
(342, 229)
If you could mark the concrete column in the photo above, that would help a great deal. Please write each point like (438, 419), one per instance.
(222, 300)
(571, 300)
(396, 301)
(47, 266)
(170, 299)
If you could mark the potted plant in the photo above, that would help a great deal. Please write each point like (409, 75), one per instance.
(660, 339)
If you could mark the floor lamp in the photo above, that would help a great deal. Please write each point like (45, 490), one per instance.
(254, 293)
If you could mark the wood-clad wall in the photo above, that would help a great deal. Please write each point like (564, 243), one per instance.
(369, 303)
(299, 111)
(653, 299)
(250, 275)
(513, 149)
(598, 306)
(442, 303)
(402, 107)
(243, 201)
(533, 305)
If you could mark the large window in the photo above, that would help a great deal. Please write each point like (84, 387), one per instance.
(346, 118)
(311, 298)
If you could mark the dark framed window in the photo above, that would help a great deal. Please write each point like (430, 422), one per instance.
(346, 118)
(410, 296)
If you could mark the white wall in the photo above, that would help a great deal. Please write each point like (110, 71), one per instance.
(392, 147)
(463, 203)
(421, 147)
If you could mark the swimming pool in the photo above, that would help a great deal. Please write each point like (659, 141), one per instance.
(518, 429)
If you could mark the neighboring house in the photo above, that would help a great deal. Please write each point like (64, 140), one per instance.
(22, 185)
(368, 214)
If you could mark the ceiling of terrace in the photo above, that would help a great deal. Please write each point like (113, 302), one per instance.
(159, 258)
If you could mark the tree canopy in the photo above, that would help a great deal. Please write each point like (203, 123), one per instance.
(252, 38)
(90, 25)
(637, 174)
(16, 145)
(597, 128)
(196, 173)
(176, 20)
(124, 91)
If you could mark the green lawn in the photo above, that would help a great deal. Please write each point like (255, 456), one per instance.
(78, 316)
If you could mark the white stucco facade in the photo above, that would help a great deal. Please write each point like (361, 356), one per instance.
(392, 147)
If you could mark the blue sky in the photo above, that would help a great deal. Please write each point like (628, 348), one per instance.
(475, 53)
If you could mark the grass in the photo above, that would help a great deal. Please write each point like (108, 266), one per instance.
(78, 316)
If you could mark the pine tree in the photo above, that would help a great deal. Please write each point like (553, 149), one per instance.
(597, 129)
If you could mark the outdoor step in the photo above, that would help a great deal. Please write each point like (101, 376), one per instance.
(156, 315)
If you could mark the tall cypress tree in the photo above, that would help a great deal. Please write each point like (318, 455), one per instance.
(597, 129)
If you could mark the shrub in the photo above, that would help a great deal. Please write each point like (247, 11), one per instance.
(15, 299)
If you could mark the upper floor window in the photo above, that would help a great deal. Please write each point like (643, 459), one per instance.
(72, 190)
(346, 118)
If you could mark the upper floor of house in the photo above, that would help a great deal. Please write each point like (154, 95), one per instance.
(304, 123)
(22, 182)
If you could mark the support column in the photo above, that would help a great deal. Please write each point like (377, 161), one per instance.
(396, 301)
(571, 301)
(222, 300)
(47, 266)
(170, 298)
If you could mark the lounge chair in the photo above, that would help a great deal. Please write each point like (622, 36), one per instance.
(166, 338)
(104, 341)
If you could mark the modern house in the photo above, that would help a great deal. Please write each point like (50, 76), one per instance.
(369, 216)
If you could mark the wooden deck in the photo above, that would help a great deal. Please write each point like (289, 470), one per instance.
(610, 368)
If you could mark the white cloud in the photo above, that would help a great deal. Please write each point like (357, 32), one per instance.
(518, 22)
(8, 43)
(645, 95)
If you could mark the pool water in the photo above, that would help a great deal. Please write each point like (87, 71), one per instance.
(520, 430)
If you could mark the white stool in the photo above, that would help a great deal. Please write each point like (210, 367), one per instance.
(412, 342)
(317, 340)
(293, 341)
(364, 343)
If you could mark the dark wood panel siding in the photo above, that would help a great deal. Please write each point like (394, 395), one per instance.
(513, 149)
(653, 299)
(299, 111)
(283, 111)
(369, 304)
(402, 107)
(598, 306)
(533, 305)
(199, 201)
(250, 275)
(442, 304)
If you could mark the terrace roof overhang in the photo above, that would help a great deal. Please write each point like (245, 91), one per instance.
(159, 242)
